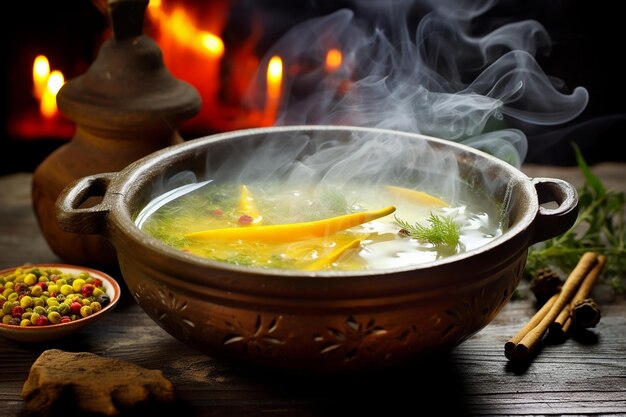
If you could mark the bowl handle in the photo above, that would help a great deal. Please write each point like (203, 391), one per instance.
(551, 222)
(82, 205)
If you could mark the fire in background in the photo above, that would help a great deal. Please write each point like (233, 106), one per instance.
(221, 48)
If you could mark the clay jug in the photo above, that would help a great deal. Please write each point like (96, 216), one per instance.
(125, 106)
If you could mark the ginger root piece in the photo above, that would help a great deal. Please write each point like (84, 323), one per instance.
(92, 383)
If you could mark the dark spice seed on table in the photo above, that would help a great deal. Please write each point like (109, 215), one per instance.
(42, 297)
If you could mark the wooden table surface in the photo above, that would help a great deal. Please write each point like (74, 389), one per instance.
(584, 375)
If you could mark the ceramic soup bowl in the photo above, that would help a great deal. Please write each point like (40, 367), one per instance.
(326, 320)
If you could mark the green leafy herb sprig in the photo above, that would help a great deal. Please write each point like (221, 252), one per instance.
(599, 227)
(442, 231)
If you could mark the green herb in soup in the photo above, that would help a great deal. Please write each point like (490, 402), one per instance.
(443, 231)
(318, 228)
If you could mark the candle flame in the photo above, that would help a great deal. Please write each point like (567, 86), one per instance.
(333, 60)
(180, 26)
(41, 72)
(274, 86)
(212, 43)
(274, 77)
(48, 104)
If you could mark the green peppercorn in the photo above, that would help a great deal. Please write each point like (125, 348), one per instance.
(30, 279)
(77, 284)
(95, 306)
(26, 301)
(36, 291)
(34, 317)
(52, 302)
(67, 289)
(64, 309)
(6, 307)
(54, 317)
(86, 311)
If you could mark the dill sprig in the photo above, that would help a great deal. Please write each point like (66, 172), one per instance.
(599, 227)
(442, 231)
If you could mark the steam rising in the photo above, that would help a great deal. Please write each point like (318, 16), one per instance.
(444, 78)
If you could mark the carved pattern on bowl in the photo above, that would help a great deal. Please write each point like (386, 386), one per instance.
(333, 338)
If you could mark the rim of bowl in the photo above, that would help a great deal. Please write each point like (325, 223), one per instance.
(131, 176)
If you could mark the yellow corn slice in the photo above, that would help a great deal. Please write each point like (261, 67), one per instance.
(247, 205)
(327, 260)
(292, 232)
(417, 197)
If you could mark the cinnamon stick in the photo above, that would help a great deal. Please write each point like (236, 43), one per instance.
(531, 339)
(509, 346)
(564, 320)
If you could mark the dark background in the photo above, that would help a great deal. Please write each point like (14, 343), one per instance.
(587, 48)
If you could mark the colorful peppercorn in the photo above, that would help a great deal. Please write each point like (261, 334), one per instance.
(42, 297)
(75, 307)
(87, 290)
(86, 311)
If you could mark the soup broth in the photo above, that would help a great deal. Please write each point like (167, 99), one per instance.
(318, 227)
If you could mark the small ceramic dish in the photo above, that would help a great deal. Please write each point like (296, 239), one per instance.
(39, 333)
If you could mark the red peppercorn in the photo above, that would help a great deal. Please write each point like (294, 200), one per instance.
(97, 282)
(65, 319)
(17, 311)
(75, 307)
(43, 285)
(42, 321)
(245, 219)
(217, 212)
(87, 290)
(53, 294)
(20, 287)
